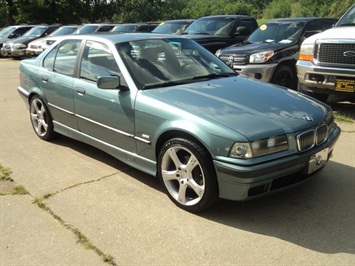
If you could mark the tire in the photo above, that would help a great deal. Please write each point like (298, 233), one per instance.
(285, 76)
(41, 119)
(187, 174)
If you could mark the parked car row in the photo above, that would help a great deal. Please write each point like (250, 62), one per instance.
(268, 53)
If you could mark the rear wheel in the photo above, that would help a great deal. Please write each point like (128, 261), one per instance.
(285, 76)
(186, 171)
(41, 119)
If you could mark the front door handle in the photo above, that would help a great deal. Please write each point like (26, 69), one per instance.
(45, 78)
(80, 90)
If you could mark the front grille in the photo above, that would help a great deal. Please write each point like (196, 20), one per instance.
(321, 134)
(333, 53)
(234, 59)
(308, 139)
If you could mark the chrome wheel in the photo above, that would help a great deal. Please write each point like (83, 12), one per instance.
(187, 174)
(40, 119)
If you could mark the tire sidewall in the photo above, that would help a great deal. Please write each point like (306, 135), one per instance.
(210, 195)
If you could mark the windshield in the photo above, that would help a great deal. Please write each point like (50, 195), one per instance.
(348, 19)
(166, 62)
(86, 29)
(170, 27)
(36, 31)
(277, 32)
(124, 28)
(63, 31)
(211, 26)
(6, 31)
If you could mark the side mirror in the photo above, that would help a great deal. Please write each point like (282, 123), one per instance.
(242, 31)
(108, 83)
(310, 33)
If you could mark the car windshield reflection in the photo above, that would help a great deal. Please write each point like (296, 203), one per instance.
(168, 62)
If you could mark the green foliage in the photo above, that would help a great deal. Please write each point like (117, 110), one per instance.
(84, 11)
(5, 173)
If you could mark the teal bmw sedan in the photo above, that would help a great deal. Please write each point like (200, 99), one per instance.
(165, 105)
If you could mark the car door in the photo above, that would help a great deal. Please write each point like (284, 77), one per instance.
(106, 115)
(57, 77)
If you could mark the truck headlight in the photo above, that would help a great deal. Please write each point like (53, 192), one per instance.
(247, 150)
(261, 57)
(218, 52)
(306, 52)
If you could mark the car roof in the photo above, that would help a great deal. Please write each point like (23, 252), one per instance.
(178, 20)
(224, 16)
(299, 19)
(124, 37)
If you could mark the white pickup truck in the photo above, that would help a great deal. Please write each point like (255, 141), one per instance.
(326, 64)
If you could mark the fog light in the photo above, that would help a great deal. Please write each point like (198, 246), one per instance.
(316, 77)
(331, 79)
(257, 76)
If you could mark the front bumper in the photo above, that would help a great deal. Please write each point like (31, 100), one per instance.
(320, 79)
(12, 52)
(33, 52)
(247, 182)
(261, 72)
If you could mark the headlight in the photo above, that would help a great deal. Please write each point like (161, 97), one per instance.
(247, 150)
(306, 52)
(218, 52)
(20, 46)
(261, 57)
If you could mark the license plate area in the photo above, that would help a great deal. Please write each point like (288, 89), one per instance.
(317, 161)
(345, 85)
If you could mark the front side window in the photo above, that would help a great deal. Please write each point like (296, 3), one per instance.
(97, 61)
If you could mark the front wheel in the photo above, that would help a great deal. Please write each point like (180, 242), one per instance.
(285, 76)
(41, 119)
(186, 171)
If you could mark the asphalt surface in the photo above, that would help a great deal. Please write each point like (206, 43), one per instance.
(83, 207)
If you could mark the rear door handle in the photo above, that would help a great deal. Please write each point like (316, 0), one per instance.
(80, 90)
(45, 78)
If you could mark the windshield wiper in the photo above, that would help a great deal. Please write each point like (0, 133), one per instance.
(163, 84)
(214, 76)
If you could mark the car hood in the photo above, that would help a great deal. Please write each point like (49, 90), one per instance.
(25, 39)
(333, 33)
(254, 48)
(254, 109)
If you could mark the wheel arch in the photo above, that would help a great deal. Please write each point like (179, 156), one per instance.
(178, 133)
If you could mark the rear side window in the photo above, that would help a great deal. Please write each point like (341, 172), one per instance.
(62, 58)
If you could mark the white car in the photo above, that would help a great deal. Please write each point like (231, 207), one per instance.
(36, 47)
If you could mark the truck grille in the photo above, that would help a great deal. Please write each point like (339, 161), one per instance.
(334, 53)
(307, 140)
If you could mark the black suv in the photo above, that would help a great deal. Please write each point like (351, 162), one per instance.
(17, 47)
(12, 32)
(216, 32)
(270, 53)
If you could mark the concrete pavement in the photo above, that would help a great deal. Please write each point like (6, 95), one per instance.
(86, 208)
